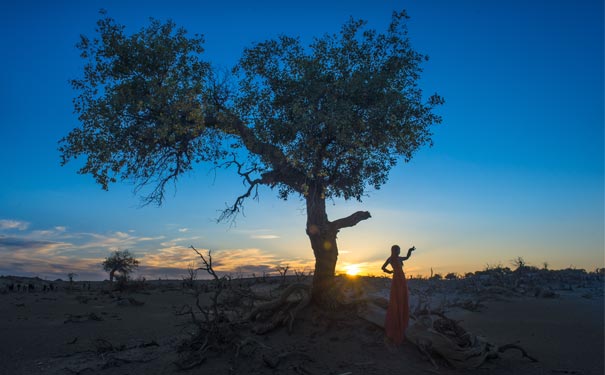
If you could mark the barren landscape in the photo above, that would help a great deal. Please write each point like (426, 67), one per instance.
(157, 327)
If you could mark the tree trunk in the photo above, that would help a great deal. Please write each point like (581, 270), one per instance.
(322, 234)
(111, 274)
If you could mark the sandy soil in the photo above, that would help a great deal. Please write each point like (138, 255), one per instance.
(96, 331)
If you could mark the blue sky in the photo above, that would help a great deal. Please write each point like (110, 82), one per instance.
(516, 168)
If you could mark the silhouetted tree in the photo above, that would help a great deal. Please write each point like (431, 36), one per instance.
(322, 122)
(519, 263)
(120, 261)
(71, 276)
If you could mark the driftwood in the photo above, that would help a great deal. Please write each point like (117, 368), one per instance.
(459, 348)
(281, 311)
(437, 335)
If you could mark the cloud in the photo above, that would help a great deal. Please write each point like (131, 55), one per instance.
(56, 231)
(111, 241)
(52, 251)
(171, 256)
(30, 256)
(10, 244)
(183, 230)
(264, 236)
(13, 224)
(175, 259)
(57, 251)
(258, 234)
(141, 239)
(253, 260)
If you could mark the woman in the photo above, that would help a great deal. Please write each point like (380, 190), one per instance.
(398, 313)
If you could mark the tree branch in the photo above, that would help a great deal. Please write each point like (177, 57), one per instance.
(282, 171)
(266, 178)
(207, 263)
(351, 220)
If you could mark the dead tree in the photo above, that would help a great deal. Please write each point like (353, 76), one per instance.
(283, 270)
(189, 280)
(220, 328)
(214, 330)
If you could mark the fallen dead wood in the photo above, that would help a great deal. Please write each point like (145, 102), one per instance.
(281, 311)
(436, 335)
(460, 351)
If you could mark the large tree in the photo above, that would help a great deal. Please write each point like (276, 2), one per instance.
(320, 122)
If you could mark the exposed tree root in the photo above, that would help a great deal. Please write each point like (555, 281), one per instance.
(281, 311)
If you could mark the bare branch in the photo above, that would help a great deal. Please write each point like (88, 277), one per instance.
(350, 221)
(231, 211)
(266, 178)
(207, 263)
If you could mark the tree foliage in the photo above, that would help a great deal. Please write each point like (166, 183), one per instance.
(341, 112)
(140, 107)
(336, 115)
(120, 261)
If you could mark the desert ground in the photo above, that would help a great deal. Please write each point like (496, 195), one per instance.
(168, 327)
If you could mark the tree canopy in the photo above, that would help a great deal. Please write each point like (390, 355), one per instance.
(342, 111)
(120, 261)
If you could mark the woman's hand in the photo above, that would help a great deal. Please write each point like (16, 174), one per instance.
(387, 271)
(412, 248)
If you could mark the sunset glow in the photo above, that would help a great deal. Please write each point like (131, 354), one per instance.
(352, 269)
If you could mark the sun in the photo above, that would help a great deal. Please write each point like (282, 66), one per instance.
(352, 269)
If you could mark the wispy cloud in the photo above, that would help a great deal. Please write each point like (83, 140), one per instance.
(172, 256)
(258, 234)
(174, 260)
(249, 261)
(29, 255)
(264, 236)
(13, 224)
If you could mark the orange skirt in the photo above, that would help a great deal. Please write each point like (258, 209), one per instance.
(398, 313)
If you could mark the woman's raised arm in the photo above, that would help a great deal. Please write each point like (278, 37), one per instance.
(409, 253)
